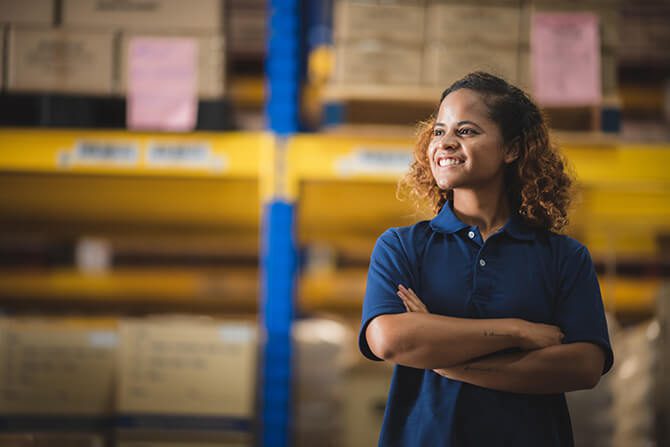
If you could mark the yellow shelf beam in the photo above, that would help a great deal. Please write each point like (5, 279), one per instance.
(165, 285)
(198, 154)
(343, 290)
(605, 163)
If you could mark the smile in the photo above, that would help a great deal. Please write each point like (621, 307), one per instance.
(443, 162)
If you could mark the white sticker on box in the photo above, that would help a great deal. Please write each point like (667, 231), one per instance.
(236, 333)
(375, 161)
(103, 339)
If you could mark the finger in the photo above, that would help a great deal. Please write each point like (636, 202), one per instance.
(408, 303)
(416, 299)
(402, 295)
(404, 302)
(412, 301)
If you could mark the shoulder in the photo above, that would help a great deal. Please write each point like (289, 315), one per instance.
(411, 239)
(411, 235)
(568, 252)
(565, 245)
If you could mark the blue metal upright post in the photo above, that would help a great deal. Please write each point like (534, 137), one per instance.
(279, 252)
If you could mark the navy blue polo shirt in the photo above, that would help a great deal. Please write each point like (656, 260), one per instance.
(518, 272)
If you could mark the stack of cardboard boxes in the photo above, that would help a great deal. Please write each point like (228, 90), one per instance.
(81, 47)
(647, 34)
(56, 380)
(247, 27)
(379, 42)
(435, 42)
(323, 350)
(154, 381)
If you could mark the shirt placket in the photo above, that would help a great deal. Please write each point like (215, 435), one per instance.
(481, 277)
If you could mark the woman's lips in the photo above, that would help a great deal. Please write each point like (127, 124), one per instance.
(445, 162)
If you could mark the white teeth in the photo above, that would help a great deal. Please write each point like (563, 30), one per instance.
(448, 162)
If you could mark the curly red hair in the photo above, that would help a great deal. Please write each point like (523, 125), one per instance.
(538, 185)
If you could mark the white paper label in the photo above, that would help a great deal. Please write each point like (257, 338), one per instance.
(101, 153)
(375, 161)
(184, 155)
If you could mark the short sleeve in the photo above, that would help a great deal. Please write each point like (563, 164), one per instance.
(580, 312)
(389, 267)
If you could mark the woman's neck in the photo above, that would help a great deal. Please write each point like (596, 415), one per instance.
(486, 209)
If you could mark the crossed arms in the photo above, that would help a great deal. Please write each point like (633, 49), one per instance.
(468, 350)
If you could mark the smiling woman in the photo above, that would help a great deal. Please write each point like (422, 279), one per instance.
(536, 181)
(488, 313)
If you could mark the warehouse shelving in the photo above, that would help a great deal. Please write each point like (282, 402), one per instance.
(345, 188)
(145, 193)
(199, 290)
(76, 176)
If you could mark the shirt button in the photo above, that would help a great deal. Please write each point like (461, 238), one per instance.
(482, 262)
(471, 234)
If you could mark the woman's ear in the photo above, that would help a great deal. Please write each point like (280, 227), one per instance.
(512, 151)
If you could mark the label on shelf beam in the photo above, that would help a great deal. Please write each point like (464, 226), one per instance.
(184, 155)
(375, 161)
(100, 153)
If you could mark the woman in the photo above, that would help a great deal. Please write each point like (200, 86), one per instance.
(488, 312)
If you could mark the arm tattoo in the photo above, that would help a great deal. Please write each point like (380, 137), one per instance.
(491, 333)
(481, 368)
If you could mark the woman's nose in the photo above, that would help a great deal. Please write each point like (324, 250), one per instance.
(448, 142)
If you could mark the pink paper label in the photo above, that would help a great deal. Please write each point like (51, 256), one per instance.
(565, 59)
(162, 83)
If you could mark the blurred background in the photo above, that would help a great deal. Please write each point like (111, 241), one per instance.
(190, 193)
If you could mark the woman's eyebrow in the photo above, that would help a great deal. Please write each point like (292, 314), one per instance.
(460, 123)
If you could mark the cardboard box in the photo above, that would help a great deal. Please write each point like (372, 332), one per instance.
(609, 64)
(187, 366)
(445, 64)
(57, 366)
(54, 439)
(377, 62)
(647, 40)
(398, 22)
(180, 438)
(27, 12)
(3, 56)
(211, 62)
(497, 24)
(247, 31)
(60, 60)
(365, 400)
(144, 15)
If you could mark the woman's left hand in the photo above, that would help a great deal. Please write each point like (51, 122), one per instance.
(414, 304)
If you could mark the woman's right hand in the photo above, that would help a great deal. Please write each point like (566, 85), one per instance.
(538, 335)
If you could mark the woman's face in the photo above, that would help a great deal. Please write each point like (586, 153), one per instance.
(466, 148)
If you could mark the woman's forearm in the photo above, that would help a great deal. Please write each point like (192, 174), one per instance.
(555, 369)
(429, 341)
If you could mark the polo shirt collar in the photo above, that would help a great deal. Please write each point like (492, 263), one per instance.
(447, 222)
(518, 229)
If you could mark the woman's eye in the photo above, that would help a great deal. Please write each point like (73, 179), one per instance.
(466, 131)
(438, 132)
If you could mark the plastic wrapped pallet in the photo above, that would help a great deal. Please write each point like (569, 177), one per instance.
(591, 411)
(324, 349)
(634, 385)
(663, 369)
